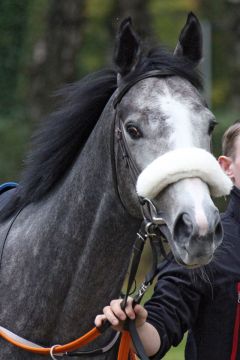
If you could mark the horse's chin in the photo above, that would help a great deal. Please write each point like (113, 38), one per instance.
(192, 262)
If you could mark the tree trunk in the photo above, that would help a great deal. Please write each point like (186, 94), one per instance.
(13, 19)
(55, 54)
(139, 11)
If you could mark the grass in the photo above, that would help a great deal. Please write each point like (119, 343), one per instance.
(176, 353)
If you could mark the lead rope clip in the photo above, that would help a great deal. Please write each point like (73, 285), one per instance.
(51, 352)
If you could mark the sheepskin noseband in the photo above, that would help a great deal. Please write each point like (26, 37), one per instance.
(180, 164)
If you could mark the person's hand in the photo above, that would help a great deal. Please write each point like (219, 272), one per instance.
(116, 316)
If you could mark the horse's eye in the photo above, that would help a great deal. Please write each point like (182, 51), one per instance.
(134, 132)
(211, 127)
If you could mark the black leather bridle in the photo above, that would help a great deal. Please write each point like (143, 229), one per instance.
(153, 227)
(147, 207)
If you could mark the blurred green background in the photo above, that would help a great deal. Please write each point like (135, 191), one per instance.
(45, 44)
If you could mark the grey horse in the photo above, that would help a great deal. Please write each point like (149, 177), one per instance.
(69, 227)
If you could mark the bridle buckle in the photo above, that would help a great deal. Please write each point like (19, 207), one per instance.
(150, 212)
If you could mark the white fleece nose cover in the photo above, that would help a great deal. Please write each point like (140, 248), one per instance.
(180, 164)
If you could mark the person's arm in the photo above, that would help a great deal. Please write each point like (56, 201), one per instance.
(171, 311)
(116, 316)
(174, 306)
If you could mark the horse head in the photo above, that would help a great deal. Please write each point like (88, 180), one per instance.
(167, 126)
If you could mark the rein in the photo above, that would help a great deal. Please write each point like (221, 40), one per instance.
(153, 228)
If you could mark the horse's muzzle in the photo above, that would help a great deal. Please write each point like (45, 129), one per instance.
(192, 247)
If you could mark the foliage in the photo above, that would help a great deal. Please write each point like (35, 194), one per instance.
(169, 17)
(14, 135)
(98, 39)
(22, 25)
(35, 25)
(13, 15)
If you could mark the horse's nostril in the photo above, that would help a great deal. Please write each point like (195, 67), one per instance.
(218, 234)
(183, 227)
(186, 219)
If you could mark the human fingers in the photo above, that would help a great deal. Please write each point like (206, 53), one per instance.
(141, 315)
(116, 306)
(99, 320)
(129, 310)
(111, 316)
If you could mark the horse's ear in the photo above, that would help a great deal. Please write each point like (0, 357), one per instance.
(127, 48)
(190, 40)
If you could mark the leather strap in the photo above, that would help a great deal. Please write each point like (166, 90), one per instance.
(153, 73)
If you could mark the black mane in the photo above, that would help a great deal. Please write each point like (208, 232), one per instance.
(58, 141)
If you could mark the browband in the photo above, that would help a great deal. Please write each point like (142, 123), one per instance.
(124, 89)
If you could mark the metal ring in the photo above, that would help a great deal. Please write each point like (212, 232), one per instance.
(51, 352)
(147, 228)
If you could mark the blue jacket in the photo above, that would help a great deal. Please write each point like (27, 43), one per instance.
(204, 301)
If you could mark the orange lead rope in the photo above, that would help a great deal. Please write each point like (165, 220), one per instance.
(124, 353)
(58, 349)
(124, 349)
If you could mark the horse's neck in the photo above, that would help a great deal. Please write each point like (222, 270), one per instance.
(98, 227)
(87, 204)
(81, 239)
